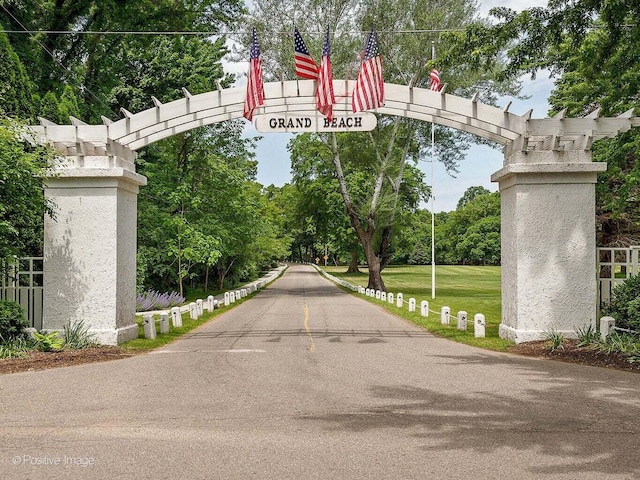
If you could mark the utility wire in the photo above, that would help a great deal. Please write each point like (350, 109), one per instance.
(81, 88)
(210, 33)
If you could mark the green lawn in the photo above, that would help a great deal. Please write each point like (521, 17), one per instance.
(468, 288)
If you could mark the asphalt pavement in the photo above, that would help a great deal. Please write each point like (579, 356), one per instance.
(307, 381)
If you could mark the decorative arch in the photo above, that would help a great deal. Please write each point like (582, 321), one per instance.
(547, 185)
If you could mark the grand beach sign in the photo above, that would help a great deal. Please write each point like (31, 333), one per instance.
(315, 122)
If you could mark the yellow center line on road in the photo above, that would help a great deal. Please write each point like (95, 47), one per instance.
(312, 346)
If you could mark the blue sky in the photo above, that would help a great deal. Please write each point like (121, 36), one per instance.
(475, 169)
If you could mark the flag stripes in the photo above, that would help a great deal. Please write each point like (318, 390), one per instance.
(255, 88)
(369, 90)
(325, 96)
(306, 67)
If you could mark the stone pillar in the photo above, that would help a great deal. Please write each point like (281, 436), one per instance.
(90, 251)
(548, 243)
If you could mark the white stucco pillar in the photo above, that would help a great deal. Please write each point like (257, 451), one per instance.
(548, 243)
(90, 251)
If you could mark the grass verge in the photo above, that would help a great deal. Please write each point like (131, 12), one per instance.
(469, 288)
(145, 344)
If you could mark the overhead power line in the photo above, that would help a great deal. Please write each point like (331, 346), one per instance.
(208, 33)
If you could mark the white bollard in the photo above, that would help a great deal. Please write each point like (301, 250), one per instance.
(462, 320)
(232, 297)
(412, 304)
(238, 295)
(399, 300)
(372, 293)
(164, 322)
(390, 298)
(479, 325)
(210, 303)
(200, 307)
(244, 292)
(367, 292)
(362, 290)
(424, 308)
(445, 316)
(176, 317)
(227, 299)
(193, 311)
(383, 296)
(149, 324)
(606, 324)
(378, 294)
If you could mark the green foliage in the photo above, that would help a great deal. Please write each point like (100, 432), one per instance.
(23, 170)
(555, 339)
(16, 347)
(77, 336)
(98, 65)
(12, 320)
(16, 87)
(471, 234)
(622, 343)
(625, 304)
(47, 342)
(586, 45)
(587, 335)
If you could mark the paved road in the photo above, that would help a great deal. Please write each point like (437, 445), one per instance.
(305, 381)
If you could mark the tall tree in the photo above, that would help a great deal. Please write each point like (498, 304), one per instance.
(586, 44)
(373, 204)
(23, 170)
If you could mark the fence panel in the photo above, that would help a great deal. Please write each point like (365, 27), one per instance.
(615, 265)
(22, 282)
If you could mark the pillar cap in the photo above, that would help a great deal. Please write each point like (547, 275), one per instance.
(549, 169)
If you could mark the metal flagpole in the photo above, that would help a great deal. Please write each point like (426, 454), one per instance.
(433, 222)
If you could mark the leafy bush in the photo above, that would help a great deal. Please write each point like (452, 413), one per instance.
(625, 304)
(12, 320)
(153, 300)
(47, 342)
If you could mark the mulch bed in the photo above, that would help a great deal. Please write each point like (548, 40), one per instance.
(571, 352)
(44, 360)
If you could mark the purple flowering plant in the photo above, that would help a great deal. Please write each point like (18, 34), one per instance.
(154, 300)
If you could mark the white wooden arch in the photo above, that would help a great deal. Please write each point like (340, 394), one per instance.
(547, 185)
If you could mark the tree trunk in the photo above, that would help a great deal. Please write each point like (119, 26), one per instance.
(385, 250)
(375, 276)
(353, 264)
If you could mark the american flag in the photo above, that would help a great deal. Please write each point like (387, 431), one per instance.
(306, 67)
(255, 88)
(324, 94)
(435, 80)
(369, 90)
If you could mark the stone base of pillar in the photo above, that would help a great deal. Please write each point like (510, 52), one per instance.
(519, 336)
(116, 336)
(108, 337)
